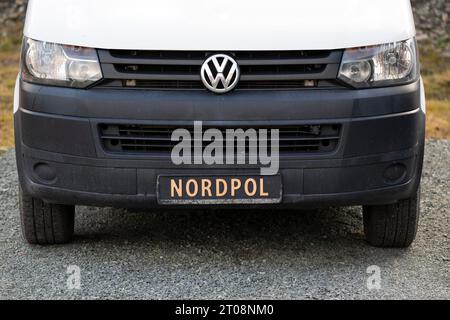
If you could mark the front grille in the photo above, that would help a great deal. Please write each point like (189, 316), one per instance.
(156, 140)
(181, 69)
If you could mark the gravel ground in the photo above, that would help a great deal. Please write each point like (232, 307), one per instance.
(230, 255)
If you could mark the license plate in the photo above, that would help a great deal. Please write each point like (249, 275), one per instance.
(255, 189)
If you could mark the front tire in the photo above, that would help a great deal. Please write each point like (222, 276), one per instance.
(45, 223)
(392, 225)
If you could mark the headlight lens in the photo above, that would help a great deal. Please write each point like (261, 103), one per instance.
(59, 65)
(377, 66)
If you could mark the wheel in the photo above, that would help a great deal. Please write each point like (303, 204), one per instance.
(45, 223)
(393, 225)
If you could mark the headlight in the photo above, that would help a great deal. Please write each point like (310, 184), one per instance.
(59, 65)
(378, 66)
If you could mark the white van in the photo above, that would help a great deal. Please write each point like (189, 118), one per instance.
(108, 88)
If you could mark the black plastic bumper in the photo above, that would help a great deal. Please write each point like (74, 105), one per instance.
(60, 157)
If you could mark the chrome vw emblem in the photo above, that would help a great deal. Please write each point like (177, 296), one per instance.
(220, 73)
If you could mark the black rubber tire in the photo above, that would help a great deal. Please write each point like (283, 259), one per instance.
(393, 225)
(45, 223)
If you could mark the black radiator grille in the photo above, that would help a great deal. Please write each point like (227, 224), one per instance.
(181, 69)
(156, 140)
(201, 55)
(263, 70)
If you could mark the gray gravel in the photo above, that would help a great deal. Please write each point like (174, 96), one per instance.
(231, 255)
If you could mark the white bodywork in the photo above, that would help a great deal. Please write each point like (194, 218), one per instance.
(220, 25)
(423, 101)
(16, 94)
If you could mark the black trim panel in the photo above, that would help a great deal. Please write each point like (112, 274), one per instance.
(249, 105)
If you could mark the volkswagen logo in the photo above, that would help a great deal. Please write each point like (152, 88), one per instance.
(220, 73)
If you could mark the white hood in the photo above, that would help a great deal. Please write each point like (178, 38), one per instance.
(220, 25)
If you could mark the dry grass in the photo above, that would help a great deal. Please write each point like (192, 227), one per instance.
(9, 64)
(436, 75)
(435, 71)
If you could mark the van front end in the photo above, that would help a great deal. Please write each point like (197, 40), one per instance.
(94, 125)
